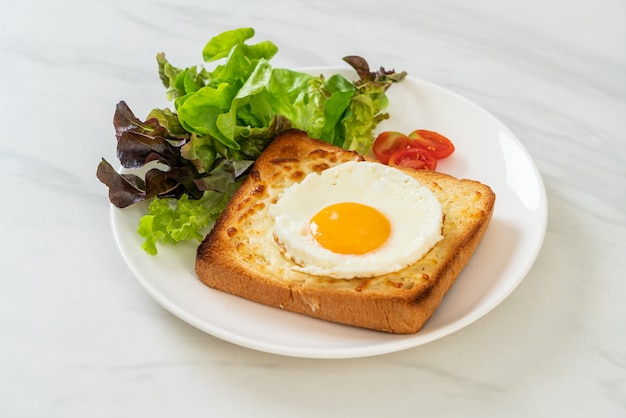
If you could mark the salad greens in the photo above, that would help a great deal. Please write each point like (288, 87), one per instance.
(193, 158)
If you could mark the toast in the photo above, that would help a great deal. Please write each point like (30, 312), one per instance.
(240, 255)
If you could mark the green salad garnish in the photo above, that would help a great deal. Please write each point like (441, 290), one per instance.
(223, 118)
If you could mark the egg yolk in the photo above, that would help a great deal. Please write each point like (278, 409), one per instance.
(350, 228)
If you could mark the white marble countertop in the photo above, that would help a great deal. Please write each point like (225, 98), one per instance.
(80, 336)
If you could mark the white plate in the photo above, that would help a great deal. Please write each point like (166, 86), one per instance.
(485, 150)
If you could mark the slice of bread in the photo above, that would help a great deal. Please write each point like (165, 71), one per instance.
(240, 255)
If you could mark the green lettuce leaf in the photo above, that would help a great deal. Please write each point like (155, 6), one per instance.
(299, 97)
(342, 91)
(366, 107)
(225, 101)
(173, 220)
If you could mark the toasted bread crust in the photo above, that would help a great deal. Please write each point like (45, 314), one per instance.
(239, 255)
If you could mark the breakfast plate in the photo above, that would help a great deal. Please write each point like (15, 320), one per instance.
(486, 150)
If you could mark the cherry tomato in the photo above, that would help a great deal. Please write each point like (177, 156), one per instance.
(436, 144)
(387, 143)
(416, 158)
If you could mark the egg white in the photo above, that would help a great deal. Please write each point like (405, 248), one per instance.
(413, 210)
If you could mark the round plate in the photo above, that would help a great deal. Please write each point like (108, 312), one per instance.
(485, 151)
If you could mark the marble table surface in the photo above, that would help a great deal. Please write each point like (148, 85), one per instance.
(80, 337)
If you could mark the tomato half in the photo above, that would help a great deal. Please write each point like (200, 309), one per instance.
(388, 143)
(436, 144)
(416, 158)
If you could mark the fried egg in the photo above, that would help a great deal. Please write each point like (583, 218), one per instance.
(357, 219)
